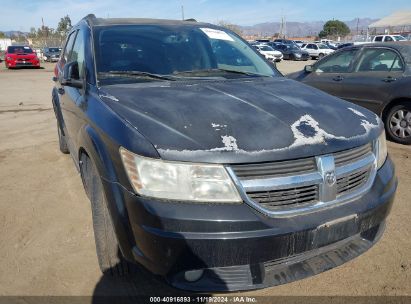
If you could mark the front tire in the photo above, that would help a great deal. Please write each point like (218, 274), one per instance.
(109, 256)
(320, 56)
(398, 123)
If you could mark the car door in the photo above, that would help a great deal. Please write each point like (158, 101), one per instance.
(72, 97)
(327, 75)
(374, 77)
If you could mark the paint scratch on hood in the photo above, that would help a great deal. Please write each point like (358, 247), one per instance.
(108, 96)
(306, 131)
(357, 112)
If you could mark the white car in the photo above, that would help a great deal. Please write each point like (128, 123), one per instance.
(269, 53)
(388, 38)
(317, 50)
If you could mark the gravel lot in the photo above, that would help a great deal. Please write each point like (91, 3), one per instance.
(46, 238)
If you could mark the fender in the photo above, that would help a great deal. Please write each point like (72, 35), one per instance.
(92, 144)
(57, 109)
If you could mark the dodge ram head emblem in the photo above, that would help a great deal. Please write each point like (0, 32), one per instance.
(330, 178)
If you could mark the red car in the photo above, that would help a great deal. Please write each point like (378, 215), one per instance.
(20, 56)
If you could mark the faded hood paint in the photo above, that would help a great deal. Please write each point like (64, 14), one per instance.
(241, 121)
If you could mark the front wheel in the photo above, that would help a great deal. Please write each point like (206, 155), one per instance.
(320, 56)
(398, 123)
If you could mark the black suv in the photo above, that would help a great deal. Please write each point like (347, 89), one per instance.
(51, 54)
(208, 167)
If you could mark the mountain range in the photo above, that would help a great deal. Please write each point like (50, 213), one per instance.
(293, 29)
(302, 29)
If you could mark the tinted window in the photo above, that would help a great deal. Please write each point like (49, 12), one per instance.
(399, 38)
(337, 63)
(77, 54)
(379, 60)
(171, 49)
(19, 50)
(378, 38)
(69, 46)
(388, 38)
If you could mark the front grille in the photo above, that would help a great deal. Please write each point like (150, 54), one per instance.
(276, 169)
(350, 156)
(275, 199)
(352, 182)
(291, 186)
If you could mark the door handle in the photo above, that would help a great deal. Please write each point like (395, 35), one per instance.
(338, 78)
(389, 79)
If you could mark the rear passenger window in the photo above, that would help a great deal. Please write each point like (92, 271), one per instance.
(388, 38)
(379, 60)
(378, 38)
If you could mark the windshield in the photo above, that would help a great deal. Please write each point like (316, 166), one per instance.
(266, 48)
(19, 50)
(399, 38)
(293, 47)
(322, 46)
(54, 50)
(175, 50)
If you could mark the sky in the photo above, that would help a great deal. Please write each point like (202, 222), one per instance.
(24, 14)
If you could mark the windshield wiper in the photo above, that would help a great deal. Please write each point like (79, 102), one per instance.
(220, 70)
(137, 74)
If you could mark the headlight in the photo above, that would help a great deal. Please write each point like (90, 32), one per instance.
(179, 181)
(381, 150)
(297, 55)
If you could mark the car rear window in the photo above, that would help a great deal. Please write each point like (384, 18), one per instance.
(19, 50)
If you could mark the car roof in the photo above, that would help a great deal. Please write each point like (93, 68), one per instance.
(94, 21)
(404, 47)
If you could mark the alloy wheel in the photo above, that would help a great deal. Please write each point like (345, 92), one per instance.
(400, 124)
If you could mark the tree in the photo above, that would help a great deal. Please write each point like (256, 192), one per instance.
(232, 27)
(334, 28)
(2, 35)
(64, 25)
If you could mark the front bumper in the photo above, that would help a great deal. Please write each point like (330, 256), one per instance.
(27, 63)
(239, 248)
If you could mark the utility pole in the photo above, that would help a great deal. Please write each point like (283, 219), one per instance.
(182, 11)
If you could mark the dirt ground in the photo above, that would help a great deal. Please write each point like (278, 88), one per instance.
(46, 235)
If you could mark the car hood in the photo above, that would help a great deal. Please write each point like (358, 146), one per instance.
(240, 121)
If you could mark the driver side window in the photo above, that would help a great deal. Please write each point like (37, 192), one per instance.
(338, 63)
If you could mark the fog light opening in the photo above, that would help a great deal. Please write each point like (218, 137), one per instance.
(193, 275)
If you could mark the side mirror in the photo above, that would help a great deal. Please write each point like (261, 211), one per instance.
(71, 75)
(308, 68)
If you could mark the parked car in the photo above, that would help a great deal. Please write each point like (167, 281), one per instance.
(51, 54)
(292, 52)
(343, 45)
(299, 42)
(376, 77)
(284, 41)
(207, 166)
(388, 38)
(269, 53)
(316, 50)
(21, 56)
